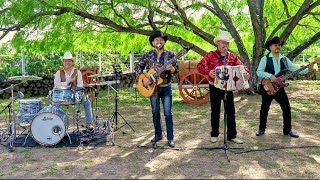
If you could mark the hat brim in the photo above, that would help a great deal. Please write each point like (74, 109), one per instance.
(268, 44)
(151, 38)
(216, 39)
(73, 59)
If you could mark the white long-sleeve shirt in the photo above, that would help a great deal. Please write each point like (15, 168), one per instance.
(59, 84)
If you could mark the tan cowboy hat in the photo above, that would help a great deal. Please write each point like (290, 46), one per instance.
(223, 36)
(68, 55)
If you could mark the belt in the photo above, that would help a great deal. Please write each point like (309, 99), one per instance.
(164, 85)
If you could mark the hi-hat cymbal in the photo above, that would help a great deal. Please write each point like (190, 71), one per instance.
(103, 83)
(25, 78)
(101, 75)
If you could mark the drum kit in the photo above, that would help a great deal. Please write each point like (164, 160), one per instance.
(49, 125)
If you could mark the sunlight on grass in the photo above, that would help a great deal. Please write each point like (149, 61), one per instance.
(52, 170)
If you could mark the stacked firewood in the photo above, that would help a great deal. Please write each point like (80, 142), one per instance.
(29, 88)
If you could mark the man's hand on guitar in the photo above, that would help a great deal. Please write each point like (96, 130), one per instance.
(212, 74)
(146, 82)
(310, 66)
(273, 78)
(170, 68)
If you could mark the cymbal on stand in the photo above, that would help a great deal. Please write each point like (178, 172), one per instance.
(25, 78)
(100, 75)
(102, 83)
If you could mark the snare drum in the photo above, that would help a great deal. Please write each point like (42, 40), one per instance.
(28, 109)
(63, 96)
(49, 126)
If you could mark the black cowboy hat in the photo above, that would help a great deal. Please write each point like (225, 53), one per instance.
(274, 40)
(157, 33)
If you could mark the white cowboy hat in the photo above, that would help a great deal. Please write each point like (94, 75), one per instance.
(68, 55)
(224, 36)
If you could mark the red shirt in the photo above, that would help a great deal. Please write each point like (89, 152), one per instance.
(212, 59)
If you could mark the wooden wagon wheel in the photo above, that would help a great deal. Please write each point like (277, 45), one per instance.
(194, 88)
(89, 80)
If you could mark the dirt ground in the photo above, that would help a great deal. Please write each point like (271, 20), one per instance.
(270, 156)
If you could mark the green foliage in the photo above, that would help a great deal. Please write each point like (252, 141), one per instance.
(54, 34)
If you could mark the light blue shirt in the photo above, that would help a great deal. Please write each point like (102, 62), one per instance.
(277, 66)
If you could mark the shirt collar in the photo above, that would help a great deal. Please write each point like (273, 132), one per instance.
(280, 56)
(72, 71)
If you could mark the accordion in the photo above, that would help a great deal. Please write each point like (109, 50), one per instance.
(231, 78)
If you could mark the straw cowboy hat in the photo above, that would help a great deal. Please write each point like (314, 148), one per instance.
(274, 40)
(68, 55)
(223, 36)
(157, 33)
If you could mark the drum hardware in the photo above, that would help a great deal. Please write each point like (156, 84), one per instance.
(105, 125)
(11, 130)
(114, 117)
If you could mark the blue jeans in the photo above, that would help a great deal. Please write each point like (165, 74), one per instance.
(165, 94)
(87, 108)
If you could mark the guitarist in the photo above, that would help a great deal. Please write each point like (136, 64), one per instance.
(155, 59)
(269, 66)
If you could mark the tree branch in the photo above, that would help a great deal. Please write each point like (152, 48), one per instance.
(286, 10)
(304, 8)
(4, 34)
(233, 31)
(150, 18)
(204, 35)
(303, 46)
(119, 15)
(257, 19)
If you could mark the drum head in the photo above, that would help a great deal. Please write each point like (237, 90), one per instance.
(48, 128)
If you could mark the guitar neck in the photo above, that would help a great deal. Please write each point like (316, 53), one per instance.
(295, 73)
(179, 55)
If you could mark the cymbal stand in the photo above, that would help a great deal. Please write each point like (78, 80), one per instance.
(106, 126)
(116, 112)
(12, 122)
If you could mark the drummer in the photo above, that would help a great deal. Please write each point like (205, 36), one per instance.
(69, 77)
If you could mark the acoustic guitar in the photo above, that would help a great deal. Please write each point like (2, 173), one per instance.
(273, 87)
(154, 75)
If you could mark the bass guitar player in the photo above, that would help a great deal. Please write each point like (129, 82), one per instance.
(271, 65)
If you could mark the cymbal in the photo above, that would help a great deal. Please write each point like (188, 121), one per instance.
(101, 75)
(103, 83)
(26, 78)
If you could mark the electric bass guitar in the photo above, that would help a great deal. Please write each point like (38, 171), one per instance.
(273, 87)
(154, 74)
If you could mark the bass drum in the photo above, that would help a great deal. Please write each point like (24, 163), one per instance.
(49, 126)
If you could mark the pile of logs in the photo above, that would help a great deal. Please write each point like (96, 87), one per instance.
(42, 87)
(28, 88)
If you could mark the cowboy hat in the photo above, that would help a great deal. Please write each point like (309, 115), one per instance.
(274, 40)
(68, 55)
(157, 33)
(224, 36)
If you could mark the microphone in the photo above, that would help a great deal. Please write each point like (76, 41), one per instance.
(19, 95)
(159, 45)
(225, 49)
